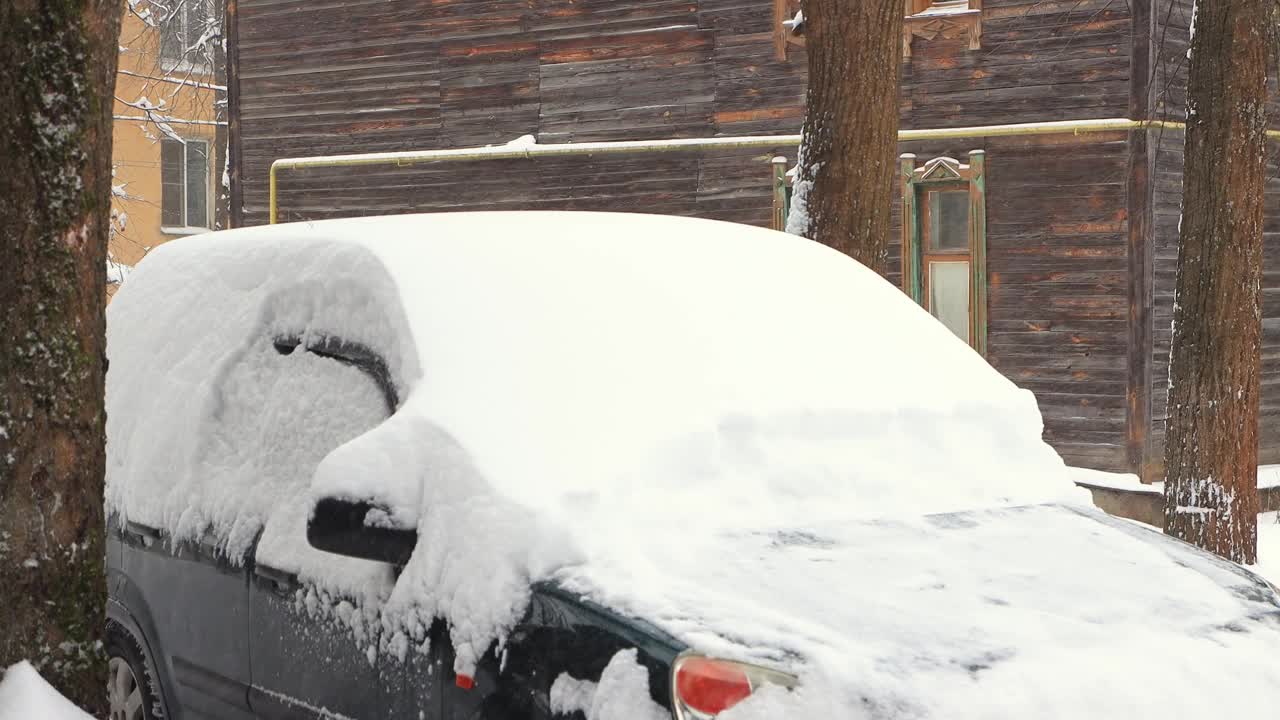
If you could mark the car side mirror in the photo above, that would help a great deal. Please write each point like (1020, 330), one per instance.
(338, 526)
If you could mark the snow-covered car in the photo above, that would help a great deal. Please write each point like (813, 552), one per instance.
(537, 465)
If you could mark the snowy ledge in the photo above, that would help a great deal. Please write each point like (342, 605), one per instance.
(1123, 495)
(183, 230)
(1268, 479)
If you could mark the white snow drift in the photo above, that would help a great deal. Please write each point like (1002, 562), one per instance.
(734, 433)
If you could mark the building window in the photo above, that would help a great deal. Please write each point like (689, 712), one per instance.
(184, 182)
(944, 242)
(929, 19)
(182, 30)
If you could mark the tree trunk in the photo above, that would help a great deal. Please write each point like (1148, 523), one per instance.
(845, 179)
(59, 60)
(1211, 442)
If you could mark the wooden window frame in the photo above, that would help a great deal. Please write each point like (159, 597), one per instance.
(921, 23)
(784, 37)
(930, 254)
(939, 175)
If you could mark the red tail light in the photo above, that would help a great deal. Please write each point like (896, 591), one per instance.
(704, 687)
(711, 686)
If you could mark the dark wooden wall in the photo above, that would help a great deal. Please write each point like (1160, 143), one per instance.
(326, 77)
(1269, 420)
(329, 78)
(319, 77)
(1057, 221)
(1058, 281)
(1171, 41)
(1040, 60)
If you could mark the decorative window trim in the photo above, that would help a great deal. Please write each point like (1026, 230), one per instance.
(788, 27)
(937, 174)
(928, 19)
(781, 193)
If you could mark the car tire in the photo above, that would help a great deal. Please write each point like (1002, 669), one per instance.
(133, 692)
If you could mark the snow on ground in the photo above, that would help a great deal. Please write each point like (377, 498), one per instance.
(688, 421)
(24, 695)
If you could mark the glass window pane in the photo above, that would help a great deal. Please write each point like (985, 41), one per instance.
(172, 35)
(197, 20)
(949, 295)
(197, 183)
(197, 23)
(949, 220)
(171, 181)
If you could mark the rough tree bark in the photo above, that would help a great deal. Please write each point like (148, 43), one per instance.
(1211, 446)
(845, 178)
(59, 60)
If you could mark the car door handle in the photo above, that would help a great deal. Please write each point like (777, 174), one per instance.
(145, 534)
(281, 581)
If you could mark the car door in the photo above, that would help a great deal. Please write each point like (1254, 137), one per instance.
(193, 600)
(309, 664)
(411, 686)
(314, 627)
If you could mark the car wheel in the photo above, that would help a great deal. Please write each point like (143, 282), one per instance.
(131, 687)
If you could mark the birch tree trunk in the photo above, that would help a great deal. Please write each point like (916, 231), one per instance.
(845, 179)
(1211, 445)
(59, 60)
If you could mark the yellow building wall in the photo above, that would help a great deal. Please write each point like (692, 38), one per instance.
(144, 78)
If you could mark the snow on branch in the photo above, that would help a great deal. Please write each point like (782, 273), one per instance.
(151, 111)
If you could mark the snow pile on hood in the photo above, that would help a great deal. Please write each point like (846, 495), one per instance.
(621, 694)
(582, 396)
(25, 695)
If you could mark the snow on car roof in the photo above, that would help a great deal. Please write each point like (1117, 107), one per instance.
(582, 394)
(558, 348)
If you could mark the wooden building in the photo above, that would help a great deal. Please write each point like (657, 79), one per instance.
(1064, 244)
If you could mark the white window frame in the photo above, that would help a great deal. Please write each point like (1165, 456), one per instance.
(186, 228)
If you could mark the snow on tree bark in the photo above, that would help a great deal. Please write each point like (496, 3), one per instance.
(1211, 445)
(844, 182)
(55, 190)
